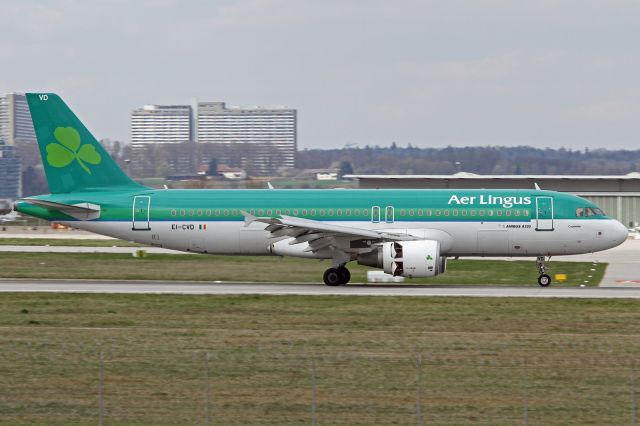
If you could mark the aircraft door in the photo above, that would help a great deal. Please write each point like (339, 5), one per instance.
(375, 214)
(388, 214)
(141, 204)
(544, 214)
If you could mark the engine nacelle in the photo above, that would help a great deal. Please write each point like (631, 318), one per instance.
(410, 259)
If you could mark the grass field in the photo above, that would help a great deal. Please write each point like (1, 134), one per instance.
(267, 268)
(573, 359)
(66, 242)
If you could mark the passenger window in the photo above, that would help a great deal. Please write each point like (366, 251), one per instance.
(472, 212)
(437, 212)
(199, 212)
(191, 212)
(517, 212)
(419, 212)
(411, 212)
(208, 212)
(339, 212)
(347, 212)
(481, 213)
(499, 212)
(508, 213)
(234, 212)
(489, 212)
(174, 212)
(304, 212)
(269, 212)
(455, 212)
(446, 212)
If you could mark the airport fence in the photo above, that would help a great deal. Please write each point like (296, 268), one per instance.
(129, 386)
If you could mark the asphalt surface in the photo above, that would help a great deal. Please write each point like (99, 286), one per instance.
(173, 287)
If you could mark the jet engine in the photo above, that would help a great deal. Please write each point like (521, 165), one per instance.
(410, 259)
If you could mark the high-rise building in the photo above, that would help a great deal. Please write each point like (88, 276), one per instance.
(15, 119)
(10, 173)
(161, 124)
(260, 139)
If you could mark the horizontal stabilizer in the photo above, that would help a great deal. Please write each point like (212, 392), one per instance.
(82, 211)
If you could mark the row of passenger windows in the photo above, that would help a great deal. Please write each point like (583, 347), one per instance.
(354, 212)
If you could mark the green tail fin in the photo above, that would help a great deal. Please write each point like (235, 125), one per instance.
(73, 159)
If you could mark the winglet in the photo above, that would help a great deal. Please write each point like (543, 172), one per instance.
(269, 185)
(536, 185)
(248, 218)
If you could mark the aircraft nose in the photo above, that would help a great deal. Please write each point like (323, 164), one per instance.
(619, 232)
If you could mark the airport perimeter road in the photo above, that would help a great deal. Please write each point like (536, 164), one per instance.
(172, 287)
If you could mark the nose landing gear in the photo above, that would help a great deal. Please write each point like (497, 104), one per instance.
(544, 279)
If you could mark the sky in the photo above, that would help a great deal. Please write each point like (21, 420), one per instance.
(427, 73)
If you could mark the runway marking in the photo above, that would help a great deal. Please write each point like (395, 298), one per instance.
(293, 289)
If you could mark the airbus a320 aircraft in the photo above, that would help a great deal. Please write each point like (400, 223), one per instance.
(407, 233)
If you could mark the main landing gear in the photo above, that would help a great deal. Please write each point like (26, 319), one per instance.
(544, 279)
(336, 276)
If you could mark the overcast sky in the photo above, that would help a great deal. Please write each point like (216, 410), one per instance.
(429, 73)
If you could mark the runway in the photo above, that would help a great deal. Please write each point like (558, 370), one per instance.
(280, 289)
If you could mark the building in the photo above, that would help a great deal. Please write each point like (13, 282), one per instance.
(258, 140)
(15, 120)
(618, 196)
(10, 173)
(161, 124)
(267, 137)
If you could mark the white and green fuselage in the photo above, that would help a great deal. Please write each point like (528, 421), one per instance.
(405, 232)
(488, 223)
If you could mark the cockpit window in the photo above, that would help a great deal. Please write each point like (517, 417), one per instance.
(588, 212)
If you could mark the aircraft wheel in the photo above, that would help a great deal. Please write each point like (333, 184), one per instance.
(345, 275)
(332, 277)
(544, 280)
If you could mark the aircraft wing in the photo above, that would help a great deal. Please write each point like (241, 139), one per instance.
(319, 234)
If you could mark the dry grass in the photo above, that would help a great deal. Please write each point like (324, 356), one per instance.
(267, 269)
(579, 356)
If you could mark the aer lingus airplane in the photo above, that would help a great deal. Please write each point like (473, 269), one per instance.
(407, 233)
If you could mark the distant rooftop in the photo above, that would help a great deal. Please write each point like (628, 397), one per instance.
(467, 175)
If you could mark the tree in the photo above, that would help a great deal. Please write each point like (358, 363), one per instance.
(34, 182)
(213, 167)
(345, 168)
